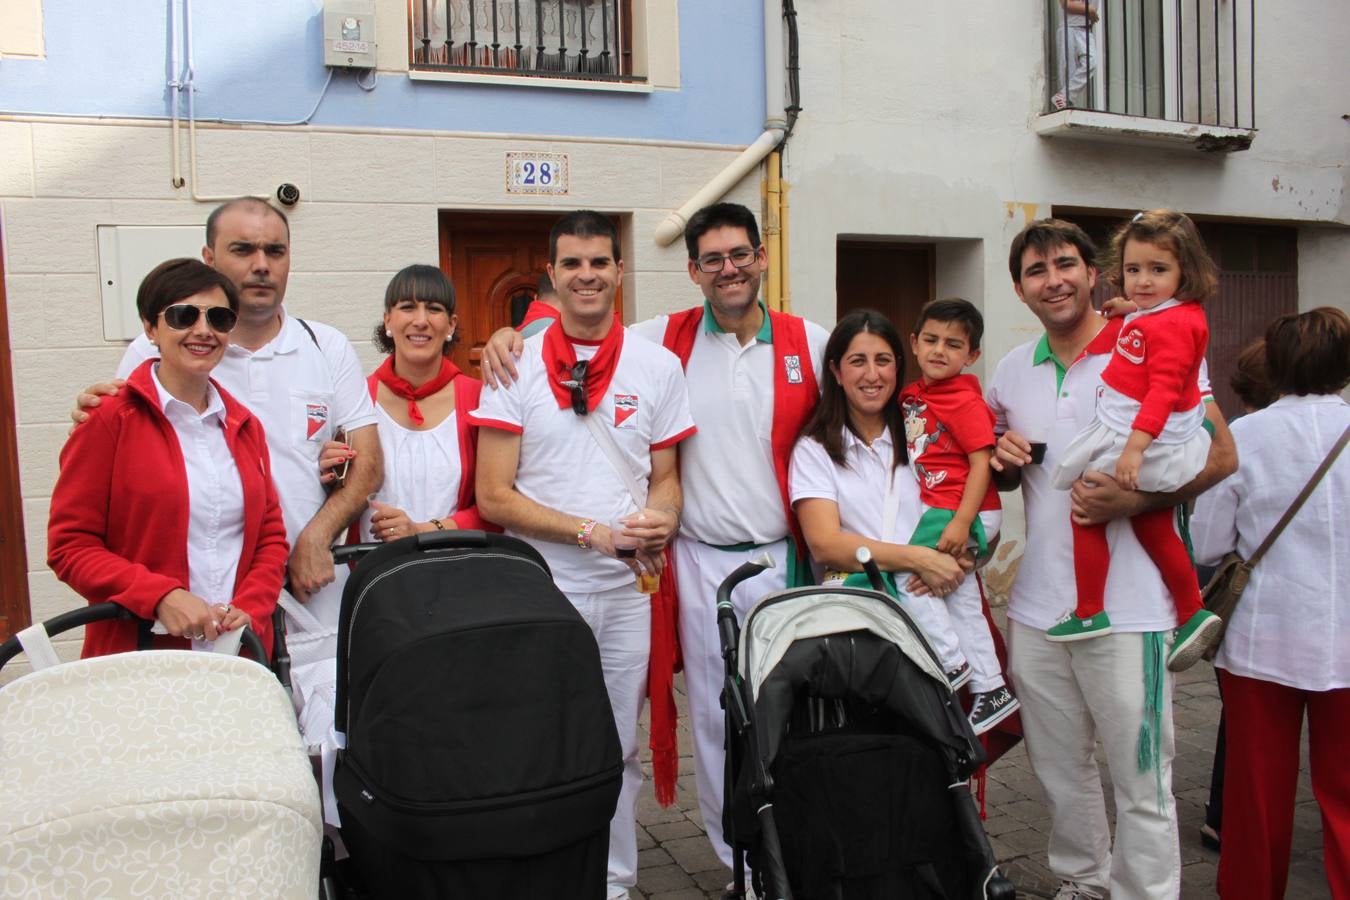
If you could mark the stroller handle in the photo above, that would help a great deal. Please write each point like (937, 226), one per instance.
(864, 556)
(726, 614)
(102, 612)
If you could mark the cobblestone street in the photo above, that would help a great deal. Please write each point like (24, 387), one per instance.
(677, 862)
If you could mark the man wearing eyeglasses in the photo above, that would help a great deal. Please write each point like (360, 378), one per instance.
(752, 381)
(302, 380)
(579, 460)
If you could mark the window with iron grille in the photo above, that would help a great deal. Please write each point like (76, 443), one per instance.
(571, 39)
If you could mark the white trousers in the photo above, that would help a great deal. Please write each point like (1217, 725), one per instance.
(1073, 62)
(621, 620)
(966, 612)
(1072, 695)
(700, 570)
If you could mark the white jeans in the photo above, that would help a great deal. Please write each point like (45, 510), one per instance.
(621, 620)
(966, 611)
(700, 570)
(1072, 694)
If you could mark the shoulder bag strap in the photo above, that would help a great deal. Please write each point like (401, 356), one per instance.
(1301, 498)
(890, 507)
(615, 455)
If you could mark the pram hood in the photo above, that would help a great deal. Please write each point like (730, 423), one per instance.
(786, 616)
(160, 773)
(848, 643)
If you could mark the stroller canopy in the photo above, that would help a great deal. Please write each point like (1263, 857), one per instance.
(848, 643)
(165, 773)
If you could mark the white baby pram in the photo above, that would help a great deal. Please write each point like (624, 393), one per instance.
(165, 773)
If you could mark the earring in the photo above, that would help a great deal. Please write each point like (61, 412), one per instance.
(388, 333)
(449, 337)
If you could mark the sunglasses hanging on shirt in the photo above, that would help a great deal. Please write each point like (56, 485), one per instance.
(577, 385)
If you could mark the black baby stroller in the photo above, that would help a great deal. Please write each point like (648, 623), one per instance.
(848, 756)
(480, 755)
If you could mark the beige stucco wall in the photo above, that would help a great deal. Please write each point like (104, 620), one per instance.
(369, 207)
(918, 123)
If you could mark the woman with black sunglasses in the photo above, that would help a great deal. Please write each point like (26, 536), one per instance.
(165, 502)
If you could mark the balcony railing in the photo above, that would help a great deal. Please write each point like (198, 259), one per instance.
(1181, 60)
(574, 39)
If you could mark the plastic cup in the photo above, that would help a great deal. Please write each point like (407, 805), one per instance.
(625, 546)
(648, 582)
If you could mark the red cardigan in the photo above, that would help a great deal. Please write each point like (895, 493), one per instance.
(119, 515)
(467, 391)
(1157, 362)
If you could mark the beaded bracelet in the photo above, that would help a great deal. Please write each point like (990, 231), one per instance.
(584, 534)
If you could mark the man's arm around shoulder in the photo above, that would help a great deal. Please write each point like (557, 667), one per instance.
(1096, 498)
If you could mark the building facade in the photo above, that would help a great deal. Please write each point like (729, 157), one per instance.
(441, 148)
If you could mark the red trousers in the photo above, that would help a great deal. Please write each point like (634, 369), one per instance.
(1160, 541)
(1263, 721)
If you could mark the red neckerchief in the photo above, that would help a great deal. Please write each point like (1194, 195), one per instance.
(537, 310)
(560, 356)
(401, 388)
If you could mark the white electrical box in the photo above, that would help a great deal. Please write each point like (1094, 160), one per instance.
(126, 254)
(349, 33)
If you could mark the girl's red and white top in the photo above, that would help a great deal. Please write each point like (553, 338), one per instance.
(1150, 382)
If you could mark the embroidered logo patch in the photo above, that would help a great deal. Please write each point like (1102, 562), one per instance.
(625, 407)
(316, 416)
(1131, 346)
(793, 366)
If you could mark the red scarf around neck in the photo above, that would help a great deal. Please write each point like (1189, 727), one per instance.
(560, 356)
(402, 388)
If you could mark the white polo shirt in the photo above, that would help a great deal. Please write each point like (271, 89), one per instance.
(726, 470)
(1031, 395)
(859, 488)
(561, 465)
(301, 391)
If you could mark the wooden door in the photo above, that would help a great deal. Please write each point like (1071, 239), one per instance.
(492, 258)
(894, 278)
(14, 609)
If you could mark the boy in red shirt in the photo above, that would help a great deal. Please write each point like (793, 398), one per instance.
(950, 435)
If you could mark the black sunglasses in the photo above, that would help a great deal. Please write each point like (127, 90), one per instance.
(577, 385)
(182, 316)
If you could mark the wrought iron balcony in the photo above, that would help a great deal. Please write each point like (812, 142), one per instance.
(572, 39)
(1188, 61)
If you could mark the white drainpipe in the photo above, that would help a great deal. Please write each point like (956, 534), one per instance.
(775, 127)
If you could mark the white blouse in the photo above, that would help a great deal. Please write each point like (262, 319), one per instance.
(422, 469)
(1292, 625)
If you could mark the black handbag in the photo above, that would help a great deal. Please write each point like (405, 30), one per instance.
(1230, 579)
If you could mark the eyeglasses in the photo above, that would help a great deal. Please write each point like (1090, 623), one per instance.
(182, 316)
(740, 258)
(577, 385)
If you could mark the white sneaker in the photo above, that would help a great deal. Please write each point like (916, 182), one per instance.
(749, 890)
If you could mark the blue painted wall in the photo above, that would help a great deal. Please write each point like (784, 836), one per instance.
(262, 60)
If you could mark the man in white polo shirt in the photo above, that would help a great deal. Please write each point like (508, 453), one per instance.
(753, 380)
(586, 439)
(1116, 688)
(303, 381)
(752, 377)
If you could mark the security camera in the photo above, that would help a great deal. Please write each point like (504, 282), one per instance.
(288, 194)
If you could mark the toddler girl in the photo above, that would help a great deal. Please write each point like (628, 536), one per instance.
(1148, 430)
